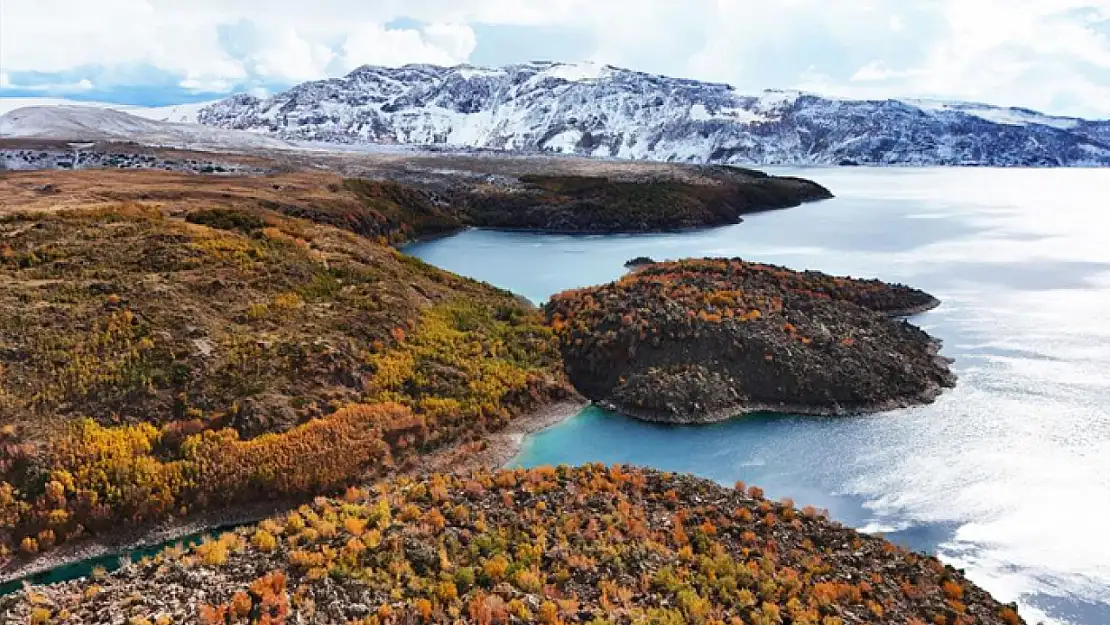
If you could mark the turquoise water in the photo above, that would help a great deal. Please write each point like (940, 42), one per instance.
(109, 562)
(1006, 476)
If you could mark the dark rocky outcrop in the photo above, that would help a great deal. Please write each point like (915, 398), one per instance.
(401, 212)
(25, 155)
(704, 340)
(639, 261)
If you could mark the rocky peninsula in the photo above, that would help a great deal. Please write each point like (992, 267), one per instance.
(569, 545)
(698, 341)
(596, 204)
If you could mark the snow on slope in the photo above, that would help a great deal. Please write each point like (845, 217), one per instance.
(91, 123)
(10, 104)
(178, 113)
(596, 110)
(1010, 116)
(577, 72)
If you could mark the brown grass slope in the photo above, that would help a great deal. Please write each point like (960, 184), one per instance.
(167, 345)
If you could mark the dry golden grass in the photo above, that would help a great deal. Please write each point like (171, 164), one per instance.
(171, 192)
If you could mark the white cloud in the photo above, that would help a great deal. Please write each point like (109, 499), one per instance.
(457, 40)
(439, 44)
(877, 71)
(206, 85)
(1051, 54)
(58, 36)
(286, 54)
(1045, 54)
(287, 41)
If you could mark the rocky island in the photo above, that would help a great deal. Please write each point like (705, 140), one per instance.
(703, 340)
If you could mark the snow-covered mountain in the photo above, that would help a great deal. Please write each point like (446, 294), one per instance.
(92, 123)
(597, 110)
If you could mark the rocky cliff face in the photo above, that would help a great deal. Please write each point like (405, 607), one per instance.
(604, 111)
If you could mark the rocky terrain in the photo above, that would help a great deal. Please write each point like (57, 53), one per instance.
(639, 261)
(604, 111)
(599, 545)
(704, 340)
(55, 156)
(576, 204)
(559, 203)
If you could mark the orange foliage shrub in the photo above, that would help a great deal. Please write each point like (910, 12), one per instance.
(555, 562)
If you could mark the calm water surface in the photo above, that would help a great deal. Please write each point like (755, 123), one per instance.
(1006, 476)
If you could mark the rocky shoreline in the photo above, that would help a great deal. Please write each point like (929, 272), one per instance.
(927, 396)
(135, 539)
(912, 311)
(701, 341)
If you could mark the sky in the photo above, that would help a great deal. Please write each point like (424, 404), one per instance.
(1048, 55)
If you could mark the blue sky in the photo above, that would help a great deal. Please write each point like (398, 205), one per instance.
(1051, 55)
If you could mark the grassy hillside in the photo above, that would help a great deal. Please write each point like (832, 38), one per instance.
(178, 354)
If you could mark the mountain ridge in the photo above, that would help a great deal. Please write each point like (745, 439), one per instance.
(92, 123)
(597, 110)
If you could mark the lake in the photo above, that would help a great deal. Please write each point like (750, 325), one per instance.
(1006, 476)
